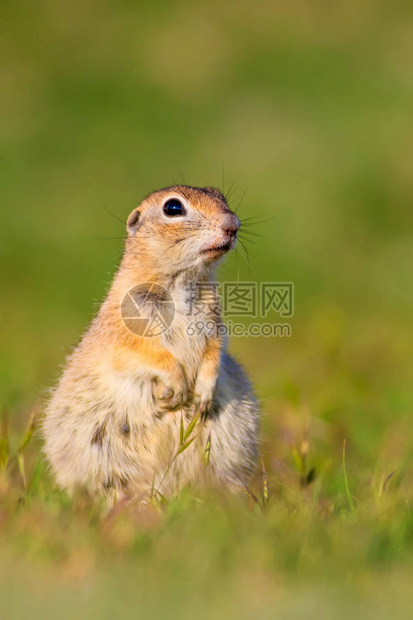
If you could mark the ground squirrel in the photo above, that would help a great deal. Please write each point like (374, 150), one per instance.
(113, 423)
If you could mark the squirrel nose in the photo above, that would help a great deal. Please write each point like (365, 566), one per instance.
(230, 224)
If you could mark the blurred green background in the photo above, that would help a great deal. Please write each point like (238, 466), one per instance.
(307, 108)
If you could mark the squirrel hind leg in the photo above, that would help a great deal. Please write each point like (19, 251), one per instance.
(234, 424)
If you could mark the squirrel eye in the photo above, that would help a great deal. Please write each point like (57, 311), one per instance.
(173, 207)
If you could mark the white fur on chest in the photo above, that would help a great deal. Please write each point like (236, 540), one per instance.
(188, 335)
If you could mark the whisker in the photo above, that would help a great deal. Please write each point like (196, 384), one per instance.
(231, 191)
(107, 238)
(175, 242)
(200, 212)
(251, 223)
(223, 179)
(113, 215)
(249, 232)
(246, 240)
(236, 256)
(245, 254)
(242, 198)
(180, 174)
(252, 217)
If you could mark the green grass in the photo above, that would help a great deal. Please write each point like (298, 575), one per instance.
(307, 107)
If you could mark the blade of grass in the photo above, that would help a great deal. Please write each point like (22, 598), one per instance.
(4, 440)
(190, 428)
(208, 450)
(181, 430)
(22, 470)
(31, 426)
(184, 446)
(350, 499)
(384, 482)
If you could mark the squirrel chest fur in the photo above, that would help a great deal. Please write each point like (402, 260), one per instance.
(153, 359)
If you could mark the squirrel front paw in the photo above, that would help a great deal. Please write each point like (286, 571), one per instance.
(169, 393)
(203, 397)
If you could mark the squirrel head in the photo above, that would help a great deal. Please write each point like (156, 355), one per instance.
(181, 228)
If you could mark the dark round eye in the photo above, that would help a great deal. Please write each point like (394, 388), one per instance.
(173, 207)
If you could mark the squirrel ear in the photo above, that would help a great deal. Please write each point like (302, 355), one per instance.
(132, 223)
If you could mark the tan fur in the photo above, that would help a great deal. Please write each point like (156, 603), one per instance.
(113, 422)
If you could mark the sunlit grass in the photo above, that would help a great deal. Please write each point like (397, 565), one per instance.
(305, 530)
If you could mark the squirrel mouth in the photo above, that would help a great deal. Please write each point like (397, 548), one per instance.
(219, 249)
